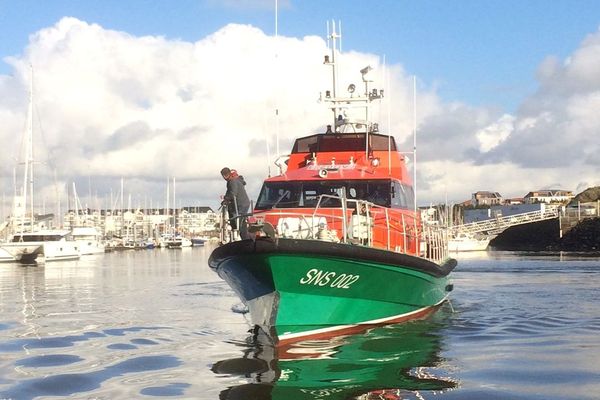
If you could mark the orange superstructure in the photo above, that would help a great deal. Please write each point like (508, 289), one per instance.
(359, 175)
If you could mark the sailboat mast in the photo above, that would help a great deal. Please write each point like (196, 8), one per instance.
(28, 157)
(30, 151)
(174, 207)
(168, 222)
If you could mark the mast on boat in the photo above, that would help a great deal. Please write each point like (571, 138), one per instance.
(342, 122)
(28, 161)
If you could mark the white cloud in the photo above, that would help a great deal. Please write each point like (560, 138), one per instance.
(492, 135)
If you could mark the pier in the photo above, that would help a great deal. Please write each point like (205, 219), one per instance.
(494, 226)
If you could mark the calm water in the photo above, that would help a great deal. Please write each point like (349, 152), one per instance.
(159, 323)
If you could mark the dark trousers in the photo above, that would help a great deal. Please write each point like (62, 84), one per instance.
(240, 223)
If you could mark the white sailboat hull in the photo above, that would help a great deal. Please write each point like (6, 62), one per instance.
(89, 247)
(51, 245)
(89, 240)
(61, 250)
(467, 244)
(14, 252)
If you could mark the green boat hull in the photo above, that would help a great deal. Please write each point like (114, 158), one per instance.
(298, 289)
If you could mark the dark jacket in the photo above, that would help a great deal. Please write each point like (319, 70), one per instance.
(237, 191)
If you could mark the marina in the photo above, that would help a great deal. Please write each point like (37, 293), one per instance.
(160, 323)
(324, 264)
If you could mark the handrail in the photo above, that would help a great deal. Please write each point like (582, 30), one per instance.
(361, 227)
(499, 224)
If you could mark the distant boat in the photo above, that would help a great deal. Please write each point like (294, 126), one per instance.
(89, 240)
(464, 242)
(52, 245)
(26, 253)
(196, 241)
(171, 241)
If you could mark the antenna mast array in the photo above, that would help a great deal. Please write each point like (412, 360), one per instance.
(342, 122)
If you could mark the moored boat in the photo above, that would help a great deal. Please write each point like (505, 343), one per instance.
(198, 241)
(89, 240)
(50, 245)
(464, 242)
(174, 241)
(25, 253)
(340, 244)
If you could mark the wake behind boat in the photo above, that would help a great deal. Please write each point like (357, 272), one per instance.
(341, 247)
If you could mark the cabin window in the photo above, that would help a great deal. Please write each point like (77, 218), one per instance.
(382, 142)
(378, 192)
(353, 142)
(306, 145)
(343, 142)
(306, 194)
(279, 195)
(402, 196)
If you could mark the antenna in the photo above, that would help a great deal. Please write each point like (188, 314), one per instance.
(340, 29)
(386, 77)
(415, 140)
(268, 147)
(276, 79)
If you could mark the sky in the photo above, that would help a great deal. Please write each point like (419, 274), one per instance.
(139, 91)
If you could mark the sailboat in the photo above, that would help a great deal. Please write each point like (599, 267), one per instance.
(171, 238)
(88, 238)
(28, 243)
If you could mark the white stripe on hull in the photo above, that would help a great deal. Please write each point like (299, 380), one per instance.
(263, 308)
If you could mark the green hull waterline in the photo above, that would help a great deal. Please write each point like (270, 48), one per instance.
(316, 294)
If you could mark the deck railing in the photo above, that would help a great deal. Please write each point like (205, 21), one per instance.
(359, 222)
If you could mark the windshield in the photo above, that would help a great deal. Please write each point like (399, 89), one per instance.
(343, 142)
(306, 194)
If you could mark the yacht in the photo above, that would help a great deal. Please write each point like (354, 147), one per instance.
(89, 240)
(49, 245)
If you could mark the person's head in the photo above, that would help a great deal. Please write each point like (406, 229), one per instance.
(225, 173)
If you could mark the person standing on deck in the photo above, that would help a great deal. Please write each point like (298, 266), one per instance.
(237, 201)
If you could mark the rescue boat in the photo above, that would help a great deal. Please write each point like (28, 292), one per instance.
(340, 246)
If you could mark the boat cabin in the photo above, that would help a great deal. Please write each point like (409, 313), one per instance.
(42, 236)
(355, 166)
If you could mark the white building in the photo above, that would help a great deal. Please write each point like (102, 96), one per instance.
(549, 196)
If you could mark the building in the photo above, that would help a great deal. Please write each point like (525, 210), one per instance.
(201, 221)
(143, 224)
(549, 196)
(483, 198)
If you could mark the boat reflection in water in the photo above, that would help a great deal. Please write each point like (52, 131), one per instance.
(389, 362)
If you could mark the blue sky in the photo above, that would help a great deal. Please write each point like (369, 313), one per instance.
(138, 88)
(479, 52)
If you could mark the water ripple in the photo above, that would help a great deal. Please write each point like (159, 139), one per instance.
(50, 360)
(69, 384)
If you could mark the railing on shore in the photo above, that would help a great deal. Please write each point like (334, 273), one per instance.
(496, 225)
(572, 215)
